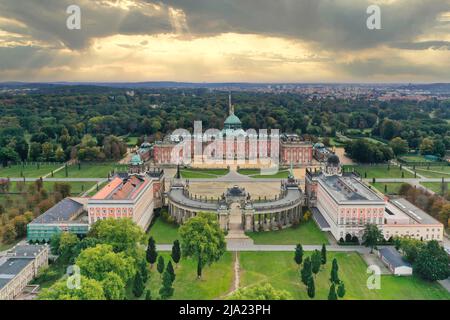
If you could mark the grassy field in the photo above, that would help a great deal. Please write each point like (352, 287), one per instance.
(379, 171)
(434, 186)
(90, 170)
(306, 233)
(163, 232)
(132, 141)
(256, 173)
(203, 173)
(434, 172)
(392, 188)
(280, 270)
(28, 171)
(216, 282)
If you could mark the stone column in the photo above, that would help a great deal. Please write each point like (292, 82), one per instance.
(248, 219)
(224, 217)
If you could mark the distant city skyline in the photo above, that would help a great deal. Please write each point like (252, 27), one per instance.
(256, 41)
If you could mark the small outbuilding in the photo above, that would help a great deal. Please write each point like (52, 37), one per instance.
(395, 262)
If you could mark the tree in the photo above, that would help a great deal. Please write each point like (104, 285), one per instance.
(151, 254)
(316, 261)
(260, 292)
(142, 268)
(311, 288)
(432, 262)
(63, 188)
(67, 244)
(332, 293)
(426, 146)
(170, 270)
(122, 234)
(324, 254)
(306, 271)
(298, 254)
(439, 148)
(7, 155)
(90, 290)
(9, 233)
(160, 266)
(176, 252)
(399, 146)
(138, 285)
(113, 287)
(203, 239)
(166, 290)
(341, 290)
(54, 243)
(410, 248)
(371, 236)
(334, 272)
(97, 262)
(148, 295)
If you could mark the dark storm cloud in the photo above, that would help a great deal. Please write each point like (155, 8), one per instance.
(46, 20)
(339, 24)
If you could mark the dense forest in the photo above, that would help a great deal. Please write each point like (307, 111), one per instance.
(85, 122)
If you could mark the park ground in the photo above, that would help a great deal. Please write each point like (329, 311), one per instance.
(306, 233)
(280, 270)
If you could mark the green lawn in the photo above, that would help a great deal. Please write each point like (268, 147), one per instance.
(203, 173)
(28, 171)
(256, 173)
(305, 233)
(163, 232)
(132, 141)
(379, 171)
(434, 172)
(392, 187)
(90, 170)
(216, 282)
(280, 270)
(434, 186)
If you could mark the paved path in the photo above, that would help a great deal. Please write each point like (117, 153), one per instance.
(274, 248)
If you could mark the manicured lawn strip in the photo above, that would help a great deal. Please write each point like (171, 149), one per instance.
(29, 171)
(90, 170)
(163, 232)
(379, 171)
(430, 174)
(415, 158)
(305, 233)
(392, 187)
(280, 175)
(203, 173)
(280, 270)
(216, 282)
(434, 186)
(256, 173)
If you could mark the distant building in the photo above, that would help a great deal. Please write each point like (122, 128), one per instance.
(395, 262)
(69, 215)
(133, 196)
(19, 267)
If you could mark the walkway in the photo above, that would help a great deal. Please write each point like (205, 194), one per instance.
(280, 248)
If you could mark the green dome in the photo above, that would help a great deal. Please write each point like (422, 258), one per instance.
(136, 160)
(233, 120)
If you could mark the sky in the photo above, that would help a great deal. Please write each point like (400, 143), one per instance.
(225, 40)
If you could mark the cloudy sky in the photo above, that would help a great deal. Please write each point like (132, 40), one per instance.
(225, 40)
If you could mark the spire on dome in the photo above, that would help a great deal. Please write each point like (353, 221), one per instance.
(230, 105)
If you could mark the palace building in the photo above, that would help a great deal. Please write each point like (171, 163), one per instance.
(240, 145)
